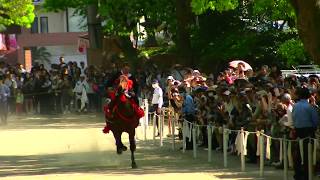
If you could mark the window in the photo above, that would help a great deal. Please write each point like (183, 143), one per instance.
(44, 25)
(34, 27)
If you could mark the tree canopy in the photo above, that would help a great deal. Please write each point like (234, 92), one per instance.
(16, 12)
(210, 31)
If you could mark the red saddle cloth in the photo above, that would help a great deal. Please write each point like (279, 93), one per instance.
(110, 112)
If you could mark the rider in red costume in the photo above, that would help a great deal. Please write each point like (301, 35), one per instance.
(123, 89)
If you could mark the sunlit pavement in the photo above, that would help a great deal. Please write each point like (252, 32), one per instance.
(74, 147)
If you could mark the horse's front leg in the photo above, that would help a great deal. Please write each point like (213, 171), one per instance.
(132, 148)
(117, 136)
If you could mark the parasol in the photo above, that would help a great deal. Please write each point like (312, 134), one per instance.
(235, 63)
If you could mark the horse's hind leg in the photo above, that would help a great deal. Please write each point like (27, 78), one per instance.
(132, 148)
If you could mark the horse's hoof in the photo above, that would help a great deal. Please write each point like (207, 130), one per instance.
(119, 151)
(124, 148)
(134, 166)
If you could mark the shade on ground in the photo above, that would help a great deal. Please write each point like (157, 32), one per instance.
(74, 147)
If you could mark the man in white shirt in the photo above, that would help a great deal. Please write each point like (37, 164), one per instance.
(81, 90)
(157, 100)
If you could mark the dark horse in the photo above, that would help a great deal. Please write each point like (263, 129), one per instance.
(122, 118)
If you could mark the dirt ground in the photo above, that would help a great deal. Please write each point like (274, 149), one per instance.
(74, 147)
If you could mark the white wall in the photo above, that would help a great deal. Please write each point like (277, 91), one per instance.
(57, 21)
(77, 23)
(70, 53)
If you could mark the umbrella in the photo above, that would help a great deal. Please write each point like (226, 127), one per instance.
(235, 63)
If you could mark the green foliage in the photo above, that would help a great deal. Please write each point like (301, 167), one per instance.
(292, 50)
(201, 6)
(18, 12)
(40, 55)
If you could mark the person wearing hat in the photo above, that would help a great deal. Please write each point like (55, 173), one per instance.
(4, 94)
(157, 100)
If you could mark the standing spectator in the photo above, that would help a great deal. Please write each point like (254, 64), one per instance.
(19, 102)
(157, 100)
(83, 68)
(4, 94)
(188, 109)
(66, 94)
(28, 89)
(12, 84)
(61, 62)
(305, 122)
(80, 90)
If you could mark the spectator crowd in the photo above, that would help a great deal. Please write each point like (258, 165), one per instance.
(262, 100)
(236, 98)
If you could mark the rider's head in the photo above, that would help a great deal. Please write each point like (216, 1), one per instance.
(125, 69)
(123, 82)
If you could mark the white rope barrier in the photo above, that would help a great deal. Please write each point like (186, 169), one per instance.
(192, 130)
(263, 151)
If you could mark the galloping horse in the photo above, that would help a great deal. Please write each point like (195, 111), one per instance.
(122, 115)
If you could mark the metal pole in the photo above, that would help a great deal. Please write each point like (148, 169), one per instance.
(184, 131)
(261, 139)
(285, 158)
(154, 127)
(310, 166)
(225, 146)
(146, 118)
(243, 164)
(194, 139)
(160, 129)
(209, 143)
(173, 133)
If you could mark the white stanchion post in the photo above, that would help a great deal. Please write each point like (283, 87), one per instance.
(261, 143)
(146, 118)
(154, 127)
(285, 158)
(184, 143)
(310, 159)
(169, 120)
(225, 146)
(173, 133)
(209, 143)
(194, 139)
(160, 129)
(243, 163)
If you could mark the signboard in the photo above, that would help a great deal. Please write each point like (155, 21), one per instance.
(27, 60)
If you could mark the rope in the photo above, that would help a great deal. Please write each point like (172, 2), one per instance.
(252, 132)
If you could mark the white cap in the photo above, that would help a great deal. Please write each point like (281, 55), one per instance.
(170, 78)
(196, 71)
(227, 93)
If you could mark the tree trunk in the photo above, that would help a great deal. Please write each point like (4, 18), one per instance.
(94, 26)
(308, 23)
(184, 14)
(151, 36)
